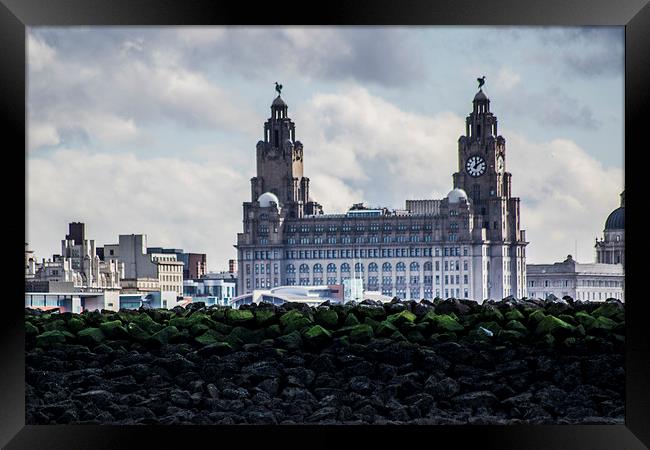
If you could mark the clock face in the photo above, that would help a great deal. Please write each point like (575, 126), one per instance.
(475, 166)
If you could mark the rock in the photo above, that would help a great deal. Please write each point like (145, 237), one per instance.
(136, 332)
(361, 333)
(264, 317)
(263, 369)
(554, 326)
(386, 328)
(114, 330)
(376, 313)
(444, 389)
(98, 397)
(210, 337)
(445, 323)
(50, 338)
(218, 349)
(291, 341)
(402, 318)
(452, 306)
(517, 326)
(536, 316)
(326, 317)
(30, 330)
(294, 321)
(165, 335)
(611, 310)
(239, 317)
(350, 320)
(316, 336)
(514, 315)
(91, 336)
(476, 399)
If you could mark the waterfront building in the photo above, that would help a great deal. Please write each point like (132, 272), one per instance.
(195, 264)
(468, 244)
(212, 288)
(587, 282)
(142, 267)
(611, 248)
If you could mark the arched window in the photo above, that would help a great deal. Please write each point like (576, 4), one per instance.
(428, 266)
(291, 268)
(345, 267)
(318, 268)
(386, 267)
(372, 267)
(304, 268)
(331, 268)
(358, 267)
(415, 266)
(400, 267)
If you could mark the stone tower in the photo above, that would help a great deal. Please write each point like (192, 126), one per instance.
(280, 165)
(482, 173)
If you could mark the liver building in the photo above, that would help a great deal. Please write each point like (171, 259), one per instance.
(466, 245)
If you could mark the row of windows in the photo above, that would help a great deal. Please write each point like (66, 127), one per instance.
(373, 281)
(374, 239)
(372, 267)
(177, 278)
(591, 296)
(364, 253)
(359, 228)
(566, 283)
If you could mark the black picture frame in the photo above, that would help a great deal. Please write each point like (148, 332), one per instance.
(15, 15)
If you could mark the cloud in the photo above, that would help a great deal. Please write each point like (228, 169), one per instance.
(40, 53)
(586, 52)
(177, 203)
(552, 107)
(362, 148)
(112, 97)
(376, 147)
(566, 195)
(385, 56)
(507, 79)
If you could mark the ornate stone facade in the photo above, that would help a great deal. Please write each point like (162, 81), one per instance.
(611, 248)
(468, 244)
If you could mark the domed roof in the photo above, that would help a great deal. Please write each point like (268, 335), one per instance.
(616, 220)
(455, 195)
(480, 95)
(278, 102)
(266, 198)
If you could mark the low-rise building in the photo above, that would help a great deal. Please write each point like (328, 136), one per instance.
(212, 288)
(143, 267)
(587, 282)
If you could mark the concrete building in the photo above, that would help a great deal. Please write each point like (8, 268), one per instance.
(77, 269)
(195, 264)
(592, 282)
(75, 302)
(212, 289)
(468, 244)
(611, 248)
(142, 268)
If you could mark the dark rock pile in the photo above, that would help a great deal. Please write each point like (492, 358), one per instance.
(441, 362)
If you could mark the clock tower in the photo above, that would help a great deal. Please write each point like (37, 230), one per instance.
(482, 172)
(482, 175)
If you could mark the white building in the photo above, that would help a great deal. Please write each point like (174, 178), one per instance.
(592, 282)
(78, 268)
(212, 288)
(468, 244)
(142, 269)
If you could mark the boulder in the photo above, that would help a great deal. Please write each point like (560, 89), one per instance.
(402, 318)
(50, 338)
(554, 326)
(316, 336)
(239, 317)
(361, 333)
(294, 321)
(114, 330)
(444, 323)
(165, 335)
(326, 317)
(91, 336)
(514, 314)
(264, 317)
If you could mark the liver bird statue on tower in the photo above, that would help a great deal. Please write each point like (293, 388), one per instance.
(278, 87)
(481, 82)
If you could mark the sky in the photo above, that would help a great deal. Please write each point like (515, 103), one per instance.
(153, 129)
